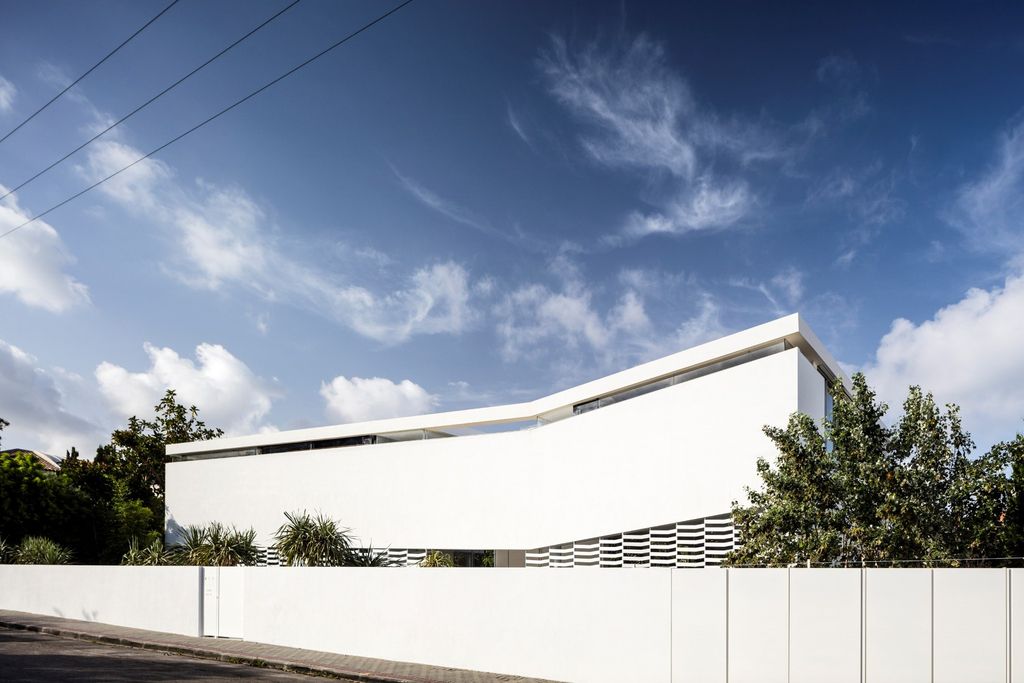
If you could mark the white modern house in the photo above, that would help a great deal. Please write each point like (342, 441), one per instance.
(638, 468)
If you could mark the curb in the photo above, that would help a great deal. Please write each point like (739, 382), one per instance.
(200, 653)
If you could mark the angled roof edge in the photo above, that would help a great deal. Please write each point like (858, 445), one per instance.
(791, 328)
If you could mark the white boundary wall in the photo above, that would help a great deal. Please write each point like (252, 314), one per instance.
(658, 625)
(165, 599)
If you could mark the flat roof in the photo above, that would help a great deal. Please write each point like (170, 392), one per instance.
(791, 328)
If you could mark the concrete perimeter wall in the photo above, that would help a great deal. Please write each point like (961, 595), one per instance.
(165, 599)
(657, 625)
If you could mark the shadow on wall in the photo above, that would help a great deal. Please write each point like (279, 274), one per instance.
(172, 530)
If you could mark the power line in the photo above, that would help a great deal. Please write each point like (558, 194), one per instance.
(91, 69)
(148, 102)
(196, 127)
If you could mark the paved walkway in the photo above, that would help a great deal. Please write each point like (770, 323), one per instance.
(291, 659)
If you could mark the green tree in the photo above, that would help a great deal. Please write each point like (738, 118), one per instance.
(136, 454)
(856, 490)
(3, 423)
(37, 502)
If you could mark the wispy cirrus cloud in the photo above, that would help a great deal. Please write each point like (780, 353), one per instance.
(7, 94)
(641, 116)
(989, 210)
(224, 239)
(463, 216)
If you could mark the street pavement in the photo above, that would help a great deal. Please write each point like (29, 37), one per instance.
(27, 656)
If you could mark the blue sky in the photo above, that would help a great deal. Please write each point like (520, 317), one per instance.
(475, 203)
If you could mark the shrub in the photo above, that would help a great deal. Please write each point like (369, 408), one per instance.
(148, 555)
(215, 545)
(305, 541)
(367, 557)
(40, 550)
(436, 558)
(5, 550)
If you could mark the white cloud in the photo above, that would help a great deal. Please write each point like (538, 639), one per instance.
(7, 95)
(33, 261)
(645, 118)
(358, 399)
(784, 291)
(516, 125)
(701, 207)
(990, 210)
(535, 318)
(968, 354)
(34, 402)
(223, 238)
(228, 394)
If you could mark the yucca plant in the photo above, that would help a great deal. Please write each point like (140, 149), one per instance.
(368, 557)
(5, 550)
(228, 547)
(306, 541)
(192, 549)
(148, 555)
(40, 550)
(215, 545)
(436, 558)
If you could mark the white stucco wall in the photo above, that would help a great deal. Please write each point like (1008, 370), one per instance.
(679, 453)
(165, 599)
(572, 625)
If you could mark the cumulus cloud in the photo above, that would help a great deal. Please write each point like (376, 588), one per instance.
(644, 117)
(7, 95)
(968, 353)
(358, 399)
(34, 262)
(990, 210)
(228, 394)
(224, 238)
(35, 403)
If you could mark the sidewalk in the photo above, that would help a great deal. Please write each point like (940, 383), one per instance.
(292, 659)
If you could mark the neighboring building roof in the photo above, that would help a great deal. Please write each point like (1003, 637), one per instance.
(49, 462)
(791, 329)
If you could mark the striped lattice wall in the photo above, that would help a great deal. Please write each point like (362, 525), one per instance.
(695, 543)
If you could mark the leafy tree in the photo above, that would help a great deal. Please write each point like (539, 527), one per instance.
(855, 490)
(96, 507)
(37, 502)
(136, 454)
(3, 423)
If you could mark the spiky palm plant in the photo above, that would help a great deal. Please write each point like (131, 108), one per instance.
(307, 541)
(192, 549)
(228, 546)
(148, 555)
(40, 550)
(368, 557)
(5, 550)
(215, 545)
(436, 558)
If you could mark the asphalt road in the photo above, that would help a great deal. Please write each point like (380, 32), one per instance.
(26, 656)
